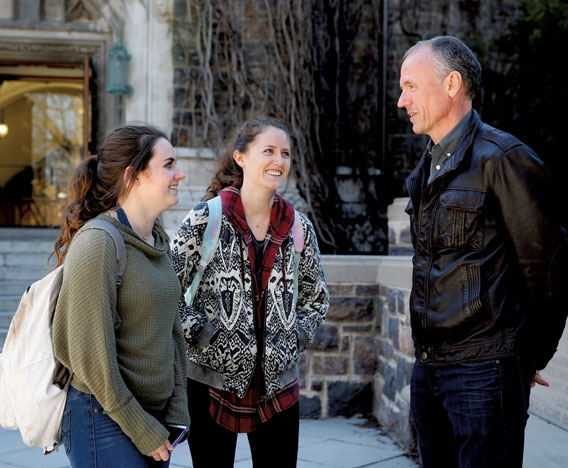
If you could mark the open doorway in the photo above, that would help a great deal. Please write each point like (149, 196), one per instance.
(46, 113)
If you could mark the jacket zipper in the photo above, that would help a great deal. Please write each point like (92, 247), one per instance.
(263, 341)
(418, 236)
(430, 242)
(254, 286)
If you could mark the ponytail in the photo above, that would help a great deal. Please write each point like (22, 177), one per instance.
(81, 206)
(98, 182)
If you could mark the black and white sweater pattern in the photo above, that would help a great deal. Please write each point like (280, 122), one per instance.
(219, 326)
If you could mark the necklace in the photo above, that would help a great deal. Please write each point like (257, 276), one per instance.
(149, 239)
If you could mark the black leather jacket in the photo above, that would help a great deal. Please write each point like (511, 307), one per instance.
(490, 255)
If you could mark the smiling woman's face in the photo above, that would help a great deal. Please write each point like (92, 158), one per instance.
(266, 162)
(158, 183)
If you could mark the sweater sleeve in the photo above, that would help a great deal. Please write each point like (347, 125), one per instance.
(177, 411)
(84, 336)
(186, 253)
(313, 297)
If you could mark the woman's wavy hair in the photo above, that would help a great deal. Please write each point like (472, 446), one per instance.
(228, 171)
(98, 182)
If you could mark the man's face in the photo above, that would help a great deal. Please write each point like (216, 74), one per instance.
(424, 96)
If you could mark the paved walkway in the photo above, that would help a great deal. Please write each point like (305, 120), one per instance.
(336, 442)
(332, 443)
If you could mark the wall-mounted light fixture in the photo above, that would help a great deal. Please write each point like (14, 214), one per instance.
(117, 70)
(3, 125)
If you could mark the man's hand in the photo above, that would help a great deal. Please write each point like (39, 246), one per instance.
(539, 380)
(162, 453)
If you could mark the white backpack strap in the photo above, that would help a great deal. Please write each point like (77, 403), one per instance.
(298, 236)
(208, 245)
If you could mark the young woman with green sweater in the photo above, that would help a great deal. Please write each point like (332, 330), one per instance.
(128, 381)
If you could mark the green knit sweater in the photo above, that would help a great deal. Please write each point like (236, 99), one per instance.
(138, 372)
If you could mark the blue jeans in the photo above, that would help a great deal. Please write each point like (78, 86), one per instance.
(471, 415)
(93, 440)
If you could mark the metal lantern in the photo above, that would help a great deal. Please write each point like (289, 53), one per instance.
(117, 75)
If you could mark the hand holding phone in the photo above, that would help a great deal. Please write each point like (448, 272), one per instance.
(178, 433)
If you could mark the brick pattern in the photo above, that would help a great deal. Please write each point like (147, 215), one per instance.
(395, 363)
(361, 359)
(339, 369)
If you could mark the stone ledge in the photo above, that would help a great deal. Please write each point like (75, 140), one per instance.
(395, 211)
(396, 272)
(360, 269)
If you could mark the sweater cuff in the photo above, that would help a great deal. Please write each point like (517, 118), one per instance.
(177, 412)
(145, 431)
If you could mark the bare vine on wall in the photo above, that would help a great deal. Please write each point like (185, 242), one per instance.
(226, 87)
(282, 58)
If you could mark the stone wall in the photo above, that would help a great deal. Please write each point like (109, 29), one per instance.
(362, 358)
(551, 403)
(337, 372)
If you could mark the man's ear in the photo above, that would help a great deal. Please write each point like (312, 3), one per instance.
(454, 83)
(238, 157)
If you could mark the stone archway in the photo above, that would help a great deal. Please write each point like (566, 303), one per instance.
(52, 50)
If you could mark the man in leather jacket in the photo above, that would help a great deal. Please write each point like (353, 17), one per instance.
(489, 267)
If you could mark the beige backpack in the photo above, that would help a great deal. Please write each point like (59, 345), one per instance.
(33, 383)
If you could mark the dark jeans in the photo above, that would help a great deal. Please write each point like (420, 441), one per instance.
(274, 444)
(471, 415)
(93, 440)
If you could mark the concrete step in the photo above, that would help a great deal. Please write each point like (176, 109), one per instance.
(15, 246)
(23, 259)
(9, 304)
(28, 273)
(23, 233)
(3, 333)
(5, 319)
(13, 288)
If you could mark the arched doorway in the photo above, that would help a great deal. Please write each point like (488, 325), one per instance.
(52, 101)
(46, 133)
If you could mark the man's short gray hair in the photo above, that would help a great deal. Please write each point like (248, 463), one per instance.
(449, 54)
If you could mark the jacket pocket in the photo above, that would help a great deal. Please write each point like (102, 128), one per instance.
(473, 305)
(460, 219)
(228, 352)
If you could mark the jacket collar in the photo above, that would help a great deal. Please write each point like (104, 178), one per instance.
(416, 180)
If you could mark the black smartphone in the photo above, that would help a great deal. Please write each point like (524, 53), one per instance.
(178, 433)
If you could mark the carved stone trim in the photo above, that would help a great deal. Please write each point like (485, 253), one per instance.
(40, 51)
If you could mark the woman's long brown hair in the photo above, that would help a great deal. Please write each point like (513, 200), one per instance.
(98, 182)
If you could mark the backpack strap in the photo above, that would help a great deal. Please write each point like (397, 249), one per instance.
(298, 236)
(120, 253)
(208, 245)
(118, 243)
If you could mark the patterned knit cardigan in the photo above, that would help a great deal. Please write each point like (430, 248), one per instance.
(219, 327)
